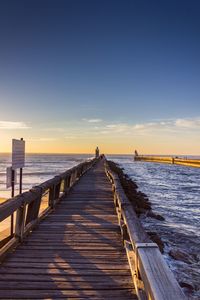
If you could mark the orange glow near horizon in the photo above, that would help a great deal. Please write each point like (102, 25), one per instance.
(111, 139)
(106, 147)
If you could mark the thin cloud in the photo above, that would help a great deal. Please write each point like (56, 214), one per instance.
(44, 139)
(121, 127)
(71, 137)
(47, 139)
(93, 120)
(188, 123)
(175, 125)
(56, 129)
(164, 126)
(104, 132)
(8, 125)
(151, 125)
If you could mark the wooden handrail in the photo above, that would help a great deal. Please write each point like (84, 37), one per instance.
(27, 205)
(152, 277)
(169, 159)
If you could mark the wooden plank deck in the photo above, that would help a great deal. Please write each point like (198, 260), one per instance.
(76, 252)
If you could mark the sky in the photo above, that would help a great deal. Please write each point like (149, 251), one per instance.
(122, 75)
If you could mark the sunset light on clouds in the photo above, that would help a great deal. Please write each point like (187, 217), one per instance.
(84, 135)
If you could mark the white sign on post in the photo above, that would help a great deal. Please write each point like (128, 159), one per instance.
(18, 154)
(9, 177)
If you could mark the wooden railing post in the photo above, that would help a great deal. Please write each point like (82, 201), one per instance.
(57, 188)
(72, 178)
(20, 222)
(66, 183)
(52, 196)
(34, 206)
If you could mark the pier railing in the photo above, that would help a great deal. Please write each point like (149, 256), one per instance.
(169, 160)
(26, 210)
(162, 159)
(152, 277)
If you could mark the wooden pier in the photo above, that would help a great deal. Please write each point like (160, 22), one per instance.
(86, 244)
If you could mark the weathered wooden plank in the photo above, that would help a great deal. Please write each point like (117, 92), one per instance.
(69, 212)
(117, 278)
(70, 260)
(74, 242)
(72, 247)
(89, 206)
(65, 294)
(69, 252)
(57, 271)
(9, 207)
(78, 230)
(105, 235)
(67, 285)
(65, 265)
(81, 217)
(77, 239)
(8, 247)
(64, 224)
(157, 277)
(20, 222)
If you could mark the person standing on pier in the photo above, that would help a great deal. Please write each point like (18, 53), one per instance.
(136, 153)
(97, 152)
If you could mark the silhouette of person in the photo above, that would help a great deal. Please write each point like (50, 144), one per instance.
(136, 153)
(97, 152)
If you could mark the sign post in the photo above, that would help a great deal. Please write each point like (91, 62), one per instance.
(18, 162)
(12, 195)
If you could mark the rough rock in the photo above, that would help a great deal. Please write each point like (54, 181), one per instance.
(187, 285)
(151, 214)
(156, 239)
(182, 256)
(138, 199)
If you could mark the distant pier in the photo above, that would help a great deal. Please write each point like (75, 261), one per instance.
(169, 160)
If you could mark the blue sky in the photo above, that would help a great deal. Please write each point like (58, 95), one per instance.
(122, 64)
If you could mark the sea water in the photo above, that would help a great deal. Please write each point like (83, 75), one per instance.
(38, 168)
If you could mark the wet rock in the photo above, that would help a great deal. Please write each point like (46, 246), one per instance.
(138, 199)
(196, 257)
(156, 239)
(142, 195)
(187, 285)
(140, 210)
(155, 216)
(182, 256)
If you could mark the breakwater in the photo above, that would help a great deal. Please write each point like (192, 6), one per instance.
(169, 160)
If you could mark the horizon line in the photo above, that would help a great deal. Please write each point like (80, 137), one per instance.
(92, 153)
